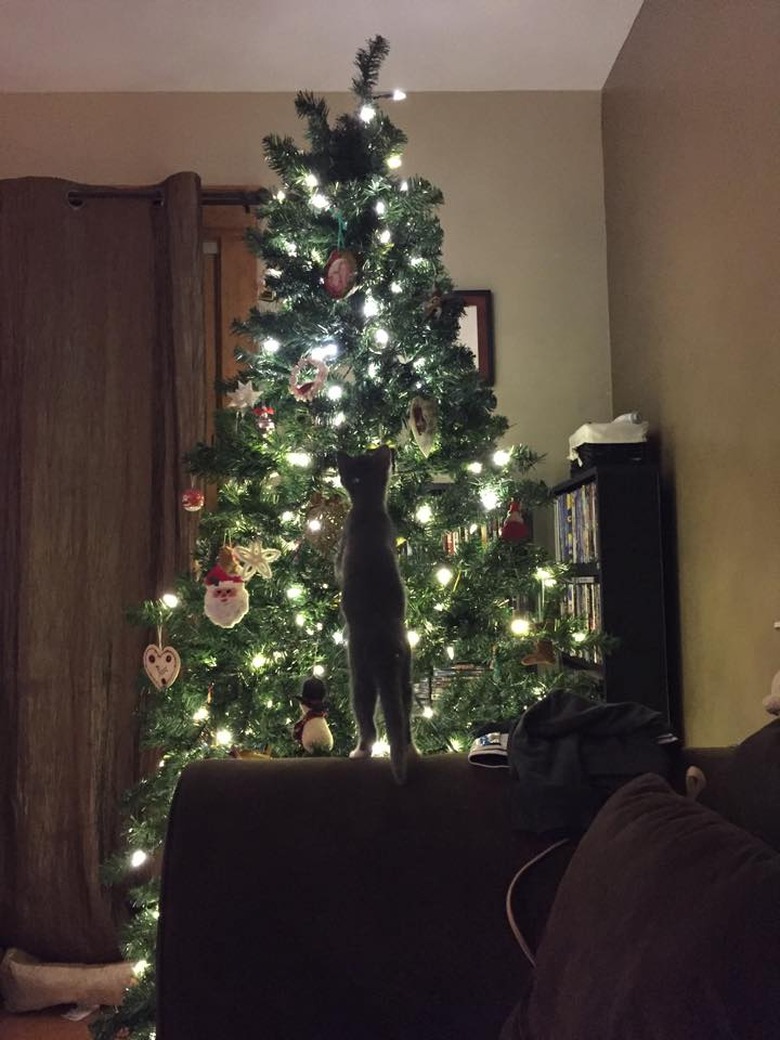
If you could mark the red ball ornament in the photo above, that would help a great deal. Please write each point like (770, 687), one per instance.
(193, 499)
(340, 273)
(515, 529)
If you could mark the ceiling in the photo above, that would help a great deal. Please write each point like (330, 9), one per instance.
(287, 45)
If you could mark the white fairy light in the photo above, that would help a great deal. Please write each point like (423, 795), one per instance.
(450, 651)
(428, 712)
(579, 637)
(335, 392)
(138, 858)
(299, 458)
(287, 517)
(271, 345)
(259, 660)
(444, 575)
(501, 457)
(381, 208)
(385, 237)
(380, 749)
(201, 714)
(456, 744)
(290, 248)
(474, 467)
(280, 196)
(424, 514)
(544, 576)
(300, 620)
(170, 599)
(367, 113)
(223, 737)
(294, 592)
(370, 307)
(382, 337)
(396, 287)
(315, 525)
(404, 185)
(310, 180)
(489, 498)
(140, 967)
(319, 201)
(415, 261)
(412, 637)
(325, 352)
(394, 161)
(339, 419)
(520, 626)
(318, 670)
(373, 368)
(338, 637)
(399, 95)
(269, 702)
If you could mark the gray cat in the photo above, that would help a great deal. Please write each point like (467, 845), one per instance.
(373, 602)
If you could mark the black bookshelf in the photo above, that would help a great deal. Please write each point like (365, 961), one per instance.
(608, 528)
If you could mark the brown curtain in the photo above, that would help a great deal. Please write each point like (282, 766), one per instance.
(101, 362)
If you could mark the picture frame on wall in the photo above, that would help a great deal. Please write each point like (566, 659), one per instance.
(476, 330)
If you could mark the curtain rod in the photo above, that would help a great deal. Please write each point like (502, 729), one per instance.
(208, 197)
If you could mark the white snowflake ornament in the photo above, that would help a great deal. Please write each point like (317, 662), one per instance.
(254, 559)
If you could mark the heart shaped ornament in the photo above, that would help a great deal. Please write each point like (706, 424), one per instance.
(162, 665)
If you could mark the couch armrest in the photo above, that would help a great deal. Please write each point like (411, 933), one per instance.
(316, 899)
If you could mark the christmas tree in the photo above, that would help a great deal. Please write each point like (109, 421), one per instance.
(354, 343)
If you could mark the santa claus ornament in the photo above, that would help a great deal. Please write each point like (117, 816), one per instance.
(312, 730)
(340, 274)
(514, 528)
(226, 600)
(192, 499)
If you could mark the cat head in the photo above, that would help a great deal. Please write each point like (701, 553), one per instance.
(365, 474)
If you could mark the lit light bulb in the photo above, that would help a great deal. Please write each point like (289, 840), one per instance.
(140, 967)
(520, 626)
(319, 201)
(395, 287)
(201, 714)
(171, 600)
(394, 161)
(489, 498)
(339, 418)
(474, 467)
(373, 368)
(299, 458)
(269, 702)
(456, 744)
(545, 576)
(138, 858)
(370, 307)
(326, 352)
(294, 592)
(287, 517)
(399, 95)
(382, 337)
(367, 113)
(335, 392)
(310, 180)
(271, 345)
(501, 457)
(338, 637)
(404, 185)
(318, 670)
(444, 575)
(290, 248)
(300, 620)
(413, 638)
(223, 737)
(258, 661)
(579, 637)
(381, 208)
(428, 712)
(415, 261)
(315, 525)
(450, 651)
(280, 196)
(424, 514)
(380, 749)
(385, 237)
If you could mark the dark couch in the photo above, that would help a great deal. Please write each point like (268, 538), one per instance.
(314, 899)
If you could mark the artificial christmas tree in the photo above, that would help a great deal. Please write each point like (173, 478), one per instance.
(354, 343)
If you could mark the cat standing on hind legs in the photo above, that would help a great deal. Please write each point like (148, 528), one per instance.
(373, 602)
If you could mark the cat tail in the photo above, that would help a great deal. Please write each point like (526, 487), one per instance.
(397, 726)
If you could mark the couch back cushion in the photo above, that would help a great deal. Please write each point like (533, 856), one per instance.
(666, 926)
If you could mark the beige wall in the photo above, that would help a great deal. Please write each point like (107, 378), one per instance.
(522, 178)
(692, 180)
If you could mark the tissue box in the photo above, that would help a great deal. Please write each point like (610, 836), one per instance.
(620, 442)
